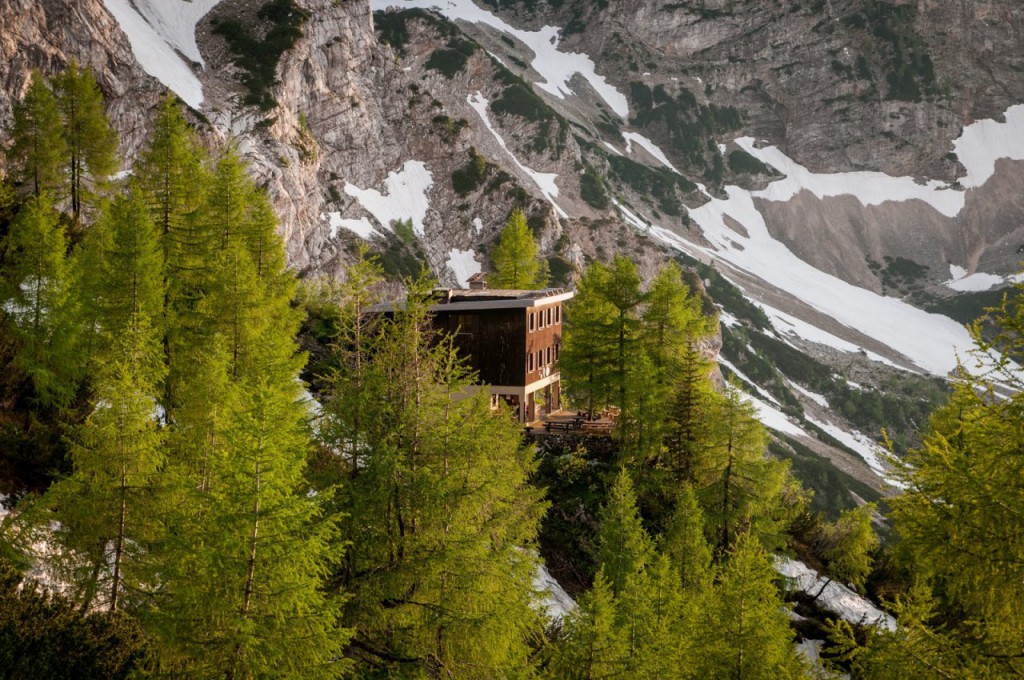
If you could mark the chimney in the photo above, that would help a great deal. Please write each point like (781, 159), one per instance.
(477, 282)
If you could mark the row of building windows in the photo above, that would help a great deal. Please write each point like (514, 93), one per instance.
(553, 316)
(541, 358)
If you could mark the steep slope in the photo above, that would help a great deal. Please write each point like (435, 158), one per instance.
(787, 146)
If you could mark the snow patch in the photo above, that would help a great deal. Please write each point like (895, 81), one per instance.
(361, 227)
(478, 224)
(556, 68)
(650, 147)
(786, 324)
(929, 340)
(545, 181)
(612, 148)
(983, 142)
(978, 281)
(404, 197)
(155, 55)
(834, 597)
(557, 603)
(861, 444)
(463, 264)
(870, 188)
(816, 398)
(175, 21)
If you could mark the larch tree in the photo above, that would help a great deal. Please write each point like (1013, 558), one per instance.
(587, 359)
(91, 151)
(742, 630)
(37, 147)
(684, 544)
(654, 622)
(441, 577)
(263, 555)
(959, 520)
(352, 349)
(740, 489)
(623, 547)
(515, 260)
(691, 398)
(594, 646)
(848, 545)
(109, 507)
(36, 299)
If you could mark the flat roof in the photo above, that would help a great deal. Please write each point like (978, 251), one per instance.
(464, 299)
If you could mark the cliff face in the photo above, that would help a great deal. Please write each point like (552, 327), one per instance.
(45, 35)
(838, 84)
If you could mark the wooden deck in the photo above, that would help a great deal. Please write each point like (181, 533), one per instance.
(571, 422)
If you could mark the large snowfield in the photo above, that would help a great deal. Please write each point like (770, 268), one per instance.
(158, 30)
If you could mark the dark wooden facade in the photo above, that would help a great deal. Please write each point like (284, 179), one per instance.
(512, 339)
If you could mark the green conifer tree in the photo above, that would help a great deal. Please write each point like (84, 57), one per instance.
(847, 546)
(515, 260)
(742, 630)
(109, 508)
(37, 143)
(654, 621)
(441, 581)
(623, 547)
(587, 358)
(740, 489)
(594, 646)
(91, 155)
(36, 300)
(687, 416)
(258, 609)
(684, 543)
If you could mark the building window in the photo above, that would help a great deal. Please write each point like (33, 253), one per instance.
(530, 367)
(549, 316)
(533, 321)
(540, 319)
(556, 352)
(540, 358)
(548, 355)
(558, 314)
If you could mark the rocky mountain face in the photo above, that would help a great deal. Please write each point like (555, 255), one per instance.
(798, 154)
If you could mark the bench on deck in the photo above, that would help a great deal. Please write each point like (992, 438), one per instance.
(560, 425)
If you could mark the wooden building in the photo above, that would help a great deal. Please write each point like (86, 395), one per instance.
(511, 338)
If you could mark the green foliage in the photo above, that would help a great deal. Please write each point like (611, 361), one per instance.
(742, 162)
(441, 574)
(46, 636)
(518, 99)
(661, 183)
(731, 298)
(595, 647)
(911, 73)
(36, 301)
(848, 545)
(392, 26)
(593, 189)
(687, 124)
(743, 630)
(832, 488)
(38, 148)
(258, 57)
(91, 142)
(514, 258)
(404, 230)
(623, 547)
(684, 544)
(472, 175)
(451, 60)
(741, 491)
